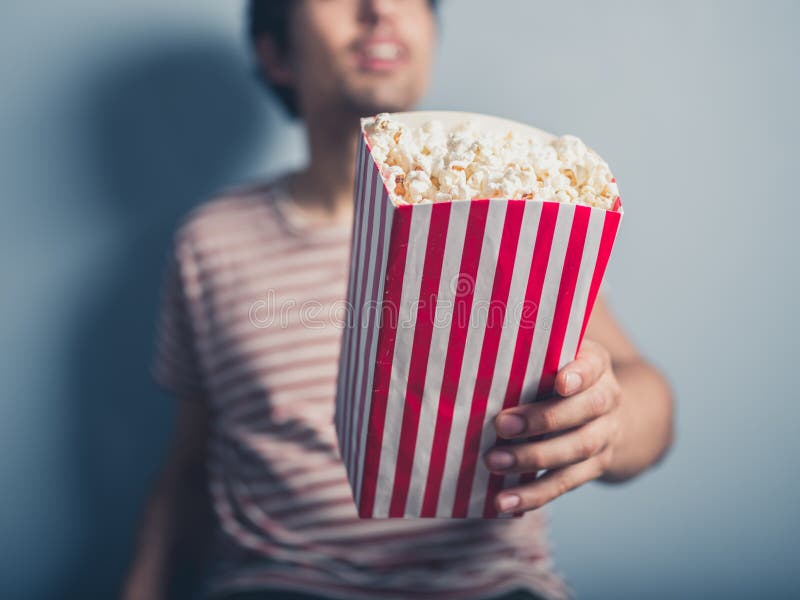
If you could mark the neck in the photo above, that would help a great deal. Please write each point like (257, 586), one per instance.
(326, 185)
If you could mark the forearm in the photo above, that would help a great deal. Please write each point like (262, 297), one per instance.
(177, 507)
(646, 416)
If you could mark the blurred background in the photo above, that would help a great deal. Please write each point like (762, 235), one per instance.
(117, 117)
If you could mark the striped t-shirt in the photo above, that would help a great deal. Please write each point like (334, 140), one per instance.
(251, 322)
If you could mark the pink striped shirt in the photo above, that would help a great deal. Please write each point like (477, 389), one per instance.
(251, 323)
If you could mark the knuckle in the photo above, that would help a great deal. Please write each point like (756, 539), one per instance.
(588, 445)
(597, 403)
(563, 484)
(550, 419)
(535, 495)
(616, 389)
(604, 461)
(532, 459)
(537, 500)
(527, 495)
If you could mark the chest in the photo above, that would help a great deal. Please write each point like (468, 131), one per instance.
(272, 351)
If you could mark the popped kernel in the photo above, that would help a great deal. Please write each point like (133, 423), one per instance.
(432, 164)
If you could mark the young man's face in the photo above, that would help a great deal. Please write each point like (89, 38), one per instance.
(360, 57)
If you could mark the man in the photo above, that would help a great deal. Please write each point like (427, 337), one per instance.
(255, 437)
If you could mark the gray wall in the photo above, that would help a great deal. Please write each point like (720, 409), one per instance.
(117, 117)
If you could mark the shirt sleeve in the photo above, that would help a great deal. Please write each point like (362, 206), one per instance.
(174, 365)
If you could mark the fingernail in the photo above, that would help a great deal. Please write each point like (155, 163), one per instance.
(572, 382)
(498, 459)
(507, 502)
(510, 424)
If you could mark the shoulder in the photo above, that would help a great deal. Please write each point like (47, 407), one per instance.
(231, 216)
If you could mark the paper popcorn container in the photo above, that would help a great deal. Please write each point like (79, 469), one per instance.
(456, 311)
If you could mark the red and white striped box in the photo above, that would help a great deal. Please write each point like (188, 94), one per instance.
(456, 311)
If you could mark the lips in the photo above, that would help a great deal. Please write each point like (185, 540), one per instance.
(383, 51)
(381, 54)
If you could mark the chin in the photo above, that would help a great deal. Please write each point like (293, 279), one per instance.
(373, 106)
(374, 101)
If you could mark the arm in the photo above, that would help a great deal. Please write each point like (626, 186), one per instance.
(645, 402)
(176, 515)
(611, 419)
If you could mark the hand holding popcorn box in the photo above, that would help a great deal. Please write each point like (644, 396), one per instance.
(479, 245)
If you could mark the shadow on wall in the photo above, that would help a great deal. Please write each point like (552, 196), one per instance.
(164, 128)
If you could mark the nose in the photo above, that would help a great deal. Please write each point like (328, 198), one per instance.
(373, 11)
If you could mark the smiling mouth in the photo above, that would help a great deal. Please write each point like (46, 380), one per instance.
(381, 55)
(383, 51)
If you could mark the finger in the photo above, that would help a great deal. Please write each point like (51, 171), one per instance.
(556, 414)
(550, 486)
(559, 451)
(590, 363)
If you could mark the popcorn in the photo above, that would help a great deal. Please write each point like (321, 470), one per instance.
(430, 164)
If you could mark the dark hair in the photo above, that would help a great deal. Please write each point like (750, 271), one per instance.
(271, 17)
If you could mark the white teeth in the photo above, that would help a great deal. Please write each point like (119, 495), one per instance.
(383, 51)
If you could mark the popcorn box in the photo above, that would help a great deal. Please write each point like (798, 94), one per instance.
(455, 311)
